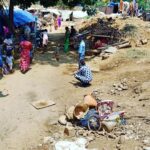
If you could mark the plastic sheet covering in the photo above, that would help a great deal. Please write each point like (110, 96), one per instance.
(21, 17)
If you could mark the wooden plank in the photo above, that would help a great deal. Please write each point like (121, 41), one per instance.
(106, 36)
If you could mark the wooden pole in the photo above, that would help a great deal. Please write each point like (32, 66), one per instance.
(11, 15)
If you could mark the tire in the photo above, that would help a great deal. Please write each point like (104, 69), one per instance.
(94, 123)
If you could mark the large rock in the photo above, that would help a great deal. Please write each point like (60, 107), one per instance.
(48, 139)
(69, 112)
(62, 120)
(90, 138)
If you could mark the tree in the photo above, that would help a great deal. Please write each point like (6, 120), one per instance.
(11, 15)
(45, 3)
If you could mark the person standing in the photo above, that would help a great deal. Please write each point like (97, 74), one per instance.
(45, 38)
(81, 50)
(137, 9)
(71, 16)
(55, 23)
(121, 6)
(67, 41)
(59, 19)
(84, 74)
(27, 31)
(73, 32)
(8, 46)
(131, 9)
(6, 31)
(26, 47)
(134, 7)
(1, 59)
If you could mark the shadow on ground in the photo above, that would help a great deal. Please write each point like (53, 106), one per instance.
(2, 95)
(48, 55)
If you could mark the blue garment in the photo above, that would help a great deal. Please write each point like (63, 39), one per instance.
(84, 74)
(1, 61)
(81, 50)
(1, 48)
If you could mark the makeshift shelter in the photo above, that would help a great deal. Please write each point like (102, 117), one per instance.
(21, 17)
(114, 6)
(76, 14)
(50, 11)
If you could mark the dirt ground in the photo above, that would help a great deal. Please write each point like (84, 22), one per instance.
(22, 126)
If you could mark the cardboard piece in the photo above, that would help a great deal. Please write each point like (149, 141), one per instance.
(42, 104)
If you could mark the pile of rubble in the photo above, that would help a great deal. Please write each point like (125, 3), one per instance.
(117, 88)
(70, 129)
(103, 36)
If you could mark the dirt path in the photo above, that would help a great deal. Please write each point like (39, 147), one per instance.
(22, 126)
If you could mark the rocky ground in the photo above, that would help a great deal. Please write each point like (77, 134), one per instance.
(123, 77)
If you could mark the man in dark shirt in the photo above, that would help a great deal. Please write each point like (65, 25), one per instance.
(73, 32)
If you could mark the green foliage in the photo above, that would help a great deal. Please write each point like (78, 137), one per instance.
(100, 3)
(47, 3)
(24, 3)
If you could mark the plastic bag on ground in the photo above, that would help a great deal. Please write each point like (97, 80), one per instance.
(79, 144)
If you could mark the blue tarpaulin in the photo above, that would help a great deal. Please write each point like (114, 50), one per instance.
(112, 4)
(22, 17)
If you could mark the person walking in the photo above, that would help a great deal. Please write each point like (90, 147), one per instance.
(81, 50)
(59, 19)
(9, 50)
(67, 40)
(55, 23)
(121, 6)
(25, 60)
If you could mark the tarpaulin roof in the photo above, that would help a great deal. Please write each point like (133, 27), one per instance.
(76, 14)
(22, 17)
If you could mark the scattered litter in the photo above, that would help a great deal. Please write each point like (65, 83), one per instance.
(79, 144)
(62, 120)
(94, 115)
(146, 148)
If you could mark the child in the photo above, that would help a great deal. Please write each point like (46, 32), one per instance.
(57, 52)
(45, 38)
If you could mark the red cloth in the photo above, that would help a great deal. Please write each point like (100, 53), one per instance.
(26, 46)
(100, 43)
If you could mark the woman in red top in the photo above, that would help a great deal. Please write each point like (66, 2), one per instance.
(26, 47)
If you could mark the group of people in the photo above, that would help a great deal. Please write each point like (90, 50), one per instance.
(8, 52)
(83, 74)
(57, 22)
(69, 35)
(129, 8)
